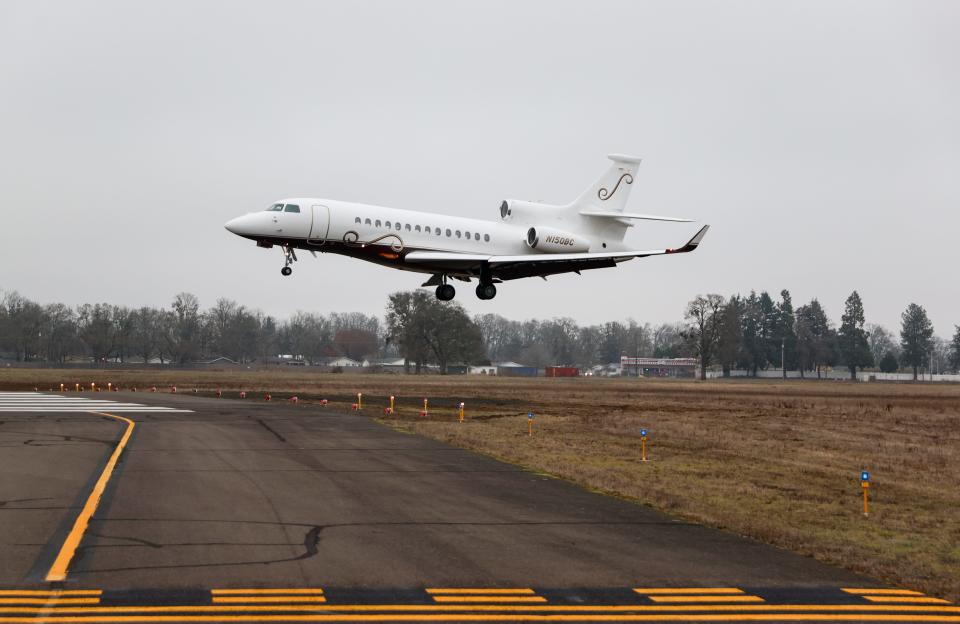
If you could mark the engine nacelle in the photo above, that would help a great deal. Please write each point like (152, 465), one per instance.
(519, 211)
(549, 240)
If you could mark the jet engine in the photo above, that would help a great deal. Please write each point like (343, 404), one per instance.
(549, 240)
(526, 212)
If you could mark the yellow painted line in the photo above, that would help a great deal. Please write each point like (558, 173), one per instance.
(738, 598)
(216, 592)
(478, 590)
(489, 598)
(688, 590)
(58, 571)
(461, 617)
(910, 599)
(50, 592)
(880, 592)
(48, 600)
(262, 599)
(309, 608)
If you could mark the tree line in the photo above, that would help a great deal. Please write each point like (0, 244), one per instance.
(752, 332)
(755, 332)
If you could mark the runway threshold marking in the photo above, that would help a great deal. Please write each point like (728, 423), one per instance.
(58, 571)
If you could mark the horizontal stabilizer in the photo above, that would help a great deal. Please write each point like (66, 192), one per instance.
(632, 215)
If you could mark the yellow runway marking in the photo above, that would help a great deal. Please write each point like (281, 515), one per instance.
(921, 609)
(50, 592)
(498, 598)
(907, 599)
(737, 598)
(688, 590)
(262, 599)
(478, 590)
(223, 592)
(898, 592)
(58, 571)
(50, 600)
(461, 617)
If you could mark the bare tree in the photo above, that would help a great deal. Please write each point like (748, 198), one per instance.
(704, 322)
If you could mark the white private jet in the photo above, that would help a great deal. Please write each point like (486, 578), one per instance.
(532, 239)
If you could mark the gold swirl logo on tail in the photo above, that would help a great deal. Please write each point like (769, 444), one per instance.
(604, 194)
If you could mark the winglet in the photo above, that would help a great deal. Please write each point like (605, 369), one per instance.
(693, 243)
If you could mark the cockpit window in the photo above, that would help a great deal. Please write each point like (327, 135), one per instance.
(275, 208)
(292, 208)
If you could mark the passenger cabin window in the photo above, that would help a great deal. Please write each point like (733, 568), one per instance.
(378, 223)
(292, 208)
(366, 221)
(458, 233)
(387, 223)
(357, 220)
(275, 208)
(476, 236)
(397, 226)
(448, 232)
(407, 227)
(437, 232)
(417, 228)
(466, 235)
(486, 238)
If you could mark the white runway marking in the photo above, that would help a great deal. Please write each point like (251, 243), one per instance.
(36, 402)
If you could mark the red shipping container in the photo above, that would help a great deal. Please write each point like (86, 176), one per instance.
(562, 371)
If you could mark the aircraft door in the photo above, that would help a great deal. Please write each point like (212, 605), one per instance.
(320, 224)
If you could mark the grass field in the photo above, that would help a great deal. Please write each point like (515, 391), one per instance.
(777, 461)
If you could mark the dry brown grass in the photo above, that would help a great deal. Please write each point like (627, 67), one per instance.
(777, 461)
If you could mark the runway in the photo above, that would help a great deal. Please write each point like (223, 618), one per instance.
(229, 510)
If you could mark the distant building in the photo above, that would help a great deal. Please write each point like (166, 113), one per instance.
(561, 371)
(659, 367)
(512, 369)
(482, 370)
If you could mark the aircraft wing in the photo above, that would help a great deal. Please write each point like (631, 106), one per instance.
(530, 265)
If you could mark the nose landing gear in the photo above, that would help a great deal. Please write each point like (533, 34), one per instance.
(289, 257)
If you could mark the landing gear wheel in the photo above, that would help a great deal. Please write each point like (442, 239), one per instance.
(446, 292)
(286, 271)
(486, 291)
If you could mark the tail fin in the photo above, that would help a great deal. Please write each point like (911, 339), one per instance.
(610, 192)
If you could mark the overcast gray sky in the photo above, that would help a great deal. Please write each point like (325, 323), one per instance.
(821, 141)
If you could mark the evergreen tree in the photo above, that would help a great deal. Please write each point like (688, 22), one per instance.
(889, 363)
(916, 334)
(752, 350)
(955, 349)
(854, 347)
(786, 333)
(815, 338)
(731, 334)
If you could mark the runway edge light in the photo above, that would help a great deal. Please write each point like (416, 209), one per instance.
(865, 482)
(643, 445)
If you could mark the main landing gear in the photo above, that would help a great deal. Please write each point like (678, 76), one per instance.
(486, 291)
(289, 257)
(446, 292)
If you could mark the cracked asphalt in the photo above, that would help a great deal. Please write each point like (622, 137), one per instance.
(255, 494)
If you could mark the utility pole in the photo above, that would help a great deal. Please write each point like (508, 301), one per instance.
(783, 356)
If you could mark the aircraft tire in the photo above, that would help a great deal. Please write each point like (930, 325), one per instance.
(446, 292)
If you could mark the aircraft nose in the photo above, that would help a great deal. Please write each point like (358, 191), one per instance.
(236, 226)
